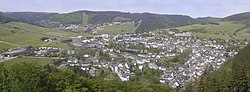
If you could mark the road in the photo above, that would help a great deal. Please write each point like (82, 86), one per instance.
(6, 59)
(43, 57)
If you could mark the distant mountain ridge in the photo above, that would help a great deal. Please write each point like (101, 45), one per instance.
(6, 19)
(238, 17)
(208, 19)
(149, 21)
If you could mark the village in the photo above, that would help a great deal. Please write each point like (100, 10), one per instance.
(124, 53)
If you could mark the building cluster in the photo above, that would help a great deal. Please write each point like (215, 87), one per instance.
(144, 50)
(38, 51)
(124, 53)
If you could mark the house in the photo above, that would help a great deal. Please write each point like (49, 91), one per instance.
(43, 51)
(77, 42)
(18, 51)
(142, 60)
(92, 60)
(92, 72)
(152, 65)
(97, 64)
(48, 40)
(90, 45)
(176, 84)
(124, 76)
(85, 67)
(73, 62)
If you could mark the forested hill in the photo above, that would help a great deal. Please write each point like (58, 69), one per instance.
(30, 17)
(6, 19)
(238, 17)
(31, 77)
(208, 19)
(242, 58)
(148, 21)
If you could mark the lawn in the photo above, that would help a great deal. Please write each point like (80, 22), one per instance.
(117, 29)
(40, 61)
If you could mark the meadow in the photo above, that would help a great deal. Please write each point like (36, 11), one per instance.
(117, 29)
(224, 30)
(40, 61)
(22, 34)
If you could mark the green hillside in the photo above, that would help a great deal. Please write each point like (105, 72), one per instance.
(243, 58)
(244, 34)
(117, 29)
(5, 19)
(222, 30)
(22, 34)
(39, 61)
(208, 19)
(238, 17)
(70, 18)
(149, 21)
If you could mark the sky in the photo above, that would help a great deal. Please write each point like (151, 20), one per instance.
(193, 8)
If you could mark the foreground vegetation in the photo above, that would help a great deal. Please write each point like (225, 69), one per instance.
(234, 76)
(31, 77)
(40, 61)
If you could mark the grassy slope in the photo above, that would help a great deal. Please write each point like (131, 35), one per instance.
(6, 46)
(244, 34)
(25, 34)
(85, 19)
(69, 18)
(35, 60)
(222, 31)
(116, 29)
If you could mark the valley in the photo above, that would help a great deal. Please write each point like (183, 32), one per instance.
(142, 48)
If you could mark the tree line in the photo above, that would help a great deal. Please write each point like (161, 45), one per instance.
(31, 77)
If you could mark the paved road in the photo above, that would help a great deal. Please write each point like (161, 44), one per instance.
(6, 59)
(44, 57)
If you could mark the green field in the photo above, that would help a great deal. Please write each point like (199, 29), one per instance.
(224, 30)
(40, 61)
(117, 29)
(244, 34)
(22, 34)
(214, 36)
(6, 46)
